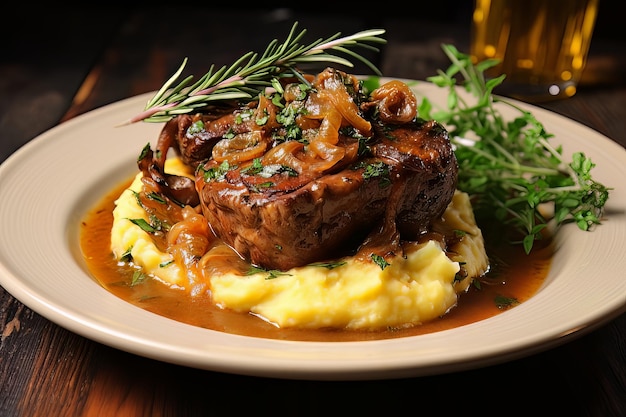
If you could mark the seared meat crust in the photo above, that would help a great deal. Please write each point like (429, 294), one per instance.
(301, 222)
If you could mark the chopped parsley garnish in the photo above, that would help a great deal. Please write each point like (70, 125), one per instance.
(271, 273)
(143, 225)
(460, 233)
(378, 170)
(267, 171)
(138, 277)
(127, 255)
(503, 302)
(328, 265)
(195, 128)
(261, 121)
(215, 173)
(155, 225)
(380, 261)
(156, 197)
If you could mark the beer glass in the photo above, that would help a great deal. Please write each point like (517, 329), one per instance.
(542, 44)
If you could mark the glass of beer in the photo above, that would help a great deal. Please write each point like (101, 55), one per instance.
(542, 45)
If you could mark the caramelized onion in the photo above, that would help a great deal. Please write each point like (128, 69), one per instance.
(334, 91)
(294, 155)
(188, 240)
(243, 147)
(396, 103)
(221, 259)
(328, 154)
(192, 223)
(264, 115)
(329, 128)
(285, 154)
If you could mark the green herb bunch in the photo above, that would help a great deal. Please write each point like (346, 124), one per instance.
(509, 167)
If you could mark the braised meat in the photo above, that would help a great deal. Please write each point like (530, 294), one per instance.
(326, 172)
(407, 181)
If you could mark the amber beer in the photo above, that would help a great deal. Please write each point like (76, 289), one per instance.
(542, 44)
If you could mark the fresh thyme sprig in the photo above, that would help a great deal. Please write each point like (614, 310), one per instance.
(251, 74)
(510, 167)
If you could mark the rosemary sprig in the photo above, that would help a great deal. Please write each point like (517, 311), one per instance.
(251, 74)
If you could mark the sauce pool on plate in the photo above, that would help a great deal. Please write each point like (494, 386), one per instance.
(514, 277)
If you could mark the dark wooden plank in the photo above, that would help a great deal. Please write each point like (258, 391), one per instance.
(40, 364)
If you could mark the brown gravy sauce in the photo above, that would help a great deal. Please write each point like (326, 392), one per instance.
(513, 274)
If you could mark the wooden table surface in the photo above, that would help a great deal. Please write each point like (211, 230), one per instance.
(54, 69)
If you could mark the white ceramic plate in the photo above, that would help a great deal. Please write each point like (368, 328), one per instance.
(48, 185)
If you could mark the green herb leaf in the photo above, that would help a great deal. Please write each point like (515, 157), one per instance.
(378, 170)
(127, 256)
(271, 273)
(380, 261)
(503, 302)
(138, 277)
(144, 225)
(328, 265)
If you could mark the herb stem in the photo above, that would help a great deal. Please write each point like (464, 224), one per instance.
(250, 75)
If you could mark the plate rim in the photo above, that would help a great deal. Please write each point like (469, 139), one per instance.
(231, 360)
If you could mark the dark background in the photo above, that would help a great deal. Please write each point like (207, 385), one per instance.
(46, 52)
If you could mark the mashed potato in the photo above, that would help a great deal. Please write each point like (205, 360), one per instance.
(422, 285)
